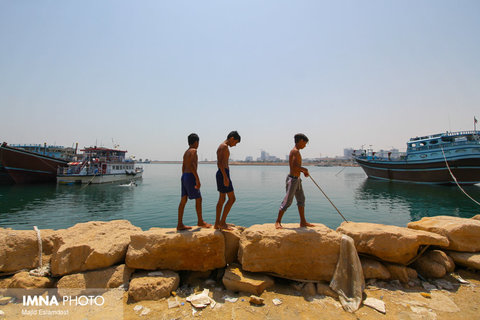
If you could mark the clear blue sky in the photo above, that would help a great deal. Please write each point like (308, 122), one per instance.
(148, 73)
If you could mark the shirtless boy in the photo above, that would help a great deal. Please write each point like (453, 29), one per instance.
(294, 183)
(224, 184)
(191, 184)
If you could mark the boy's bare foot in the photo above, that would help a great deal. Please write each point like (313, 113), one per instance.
(278, 225)
(306, 224)
(226, 227)
(183, 227)
(203, 224)
(216, 226)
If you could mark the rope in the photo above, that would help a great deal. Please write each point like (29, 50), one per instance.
(455, 179)
(328, 198)
(40, 247)
(41, 271)
(89, 181)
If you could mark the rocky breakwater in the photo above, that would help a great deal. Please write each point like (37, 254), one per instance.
(155, 262)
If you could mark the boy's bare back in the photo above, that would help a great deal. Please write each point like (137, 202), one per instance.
(190, 161)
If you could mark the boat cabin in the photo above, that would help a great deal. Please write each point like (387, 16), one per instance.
(443, 140)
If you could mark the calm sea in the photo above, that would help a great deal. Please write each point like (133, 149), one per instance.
(259, 191)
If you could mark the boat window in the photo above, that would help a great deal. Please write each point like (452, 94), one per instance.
(434, 142)
(423, 143)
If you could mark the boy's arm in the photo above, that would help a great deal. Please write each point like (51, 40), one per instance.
(183, 165)
(222, 163)
(194, 168)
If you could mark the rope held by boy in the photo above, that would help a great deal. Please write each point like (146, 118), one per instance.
(328, 198)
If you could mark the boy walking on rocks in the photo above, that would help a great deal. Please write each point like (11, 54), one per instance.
(224, 183)
(191, 184)
(294, 183)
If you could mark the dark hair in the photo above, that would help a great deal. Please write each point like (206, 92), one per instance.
(235, 136)
(300, 136)
(192, 138)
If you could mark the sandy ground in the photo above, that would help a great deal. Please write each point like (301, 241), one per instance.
(459, 301)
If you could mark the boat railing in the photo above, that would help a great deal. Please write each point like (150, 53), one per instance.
(461, 133)
(439, 146)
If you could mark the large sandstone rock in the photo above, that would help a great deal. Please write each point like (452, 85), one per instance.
(400, 272)
(389, 243)
(198, 249)
(19, 248)
(466, 259)
(232, 243)
(373, 269)
(23, 280)
(111, 277)
(463, 234)
(153, 285)
(434, 264)
(235, 279)
(292, 252)
(91, 245)
(23, 283)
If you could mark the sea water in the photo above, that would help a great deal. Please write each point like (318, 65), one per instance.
(259, 190)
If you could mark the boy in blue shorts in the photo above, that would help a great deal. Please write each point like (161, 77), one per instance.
(224, 184)
(191, 184)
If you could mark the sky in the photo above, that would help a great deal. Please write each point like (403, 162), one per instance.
(145, 74)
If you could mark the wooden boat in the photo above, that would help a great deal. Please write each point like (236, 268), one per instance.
(25, 166)
(100, 165)
(430, 159)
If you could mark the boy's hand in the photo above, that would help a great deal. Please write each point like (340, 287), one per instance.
(197, 186)
(305, 172)
(226, 182)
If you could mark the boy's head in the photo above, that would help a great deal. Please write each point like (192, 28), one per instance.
(300, 138)
(192, 138)
(233, 138)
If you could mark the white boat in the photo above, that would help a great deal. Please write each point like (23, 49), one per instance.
(100, 165)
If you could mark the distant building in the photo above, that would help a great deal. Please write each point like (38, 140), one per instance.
(394, 153)
(348, 153)
(249, 159)
(265, 157)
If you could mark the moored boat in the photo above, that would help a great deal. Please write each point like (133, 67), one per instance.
(100, 165)
(24, 166)
(430, 159)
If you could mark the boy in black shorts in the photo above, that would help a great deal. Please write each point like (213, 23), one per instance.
(191, 184)
(224, 184)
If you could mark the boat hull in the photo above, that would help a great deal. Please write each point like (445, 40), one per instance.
(97, 179)
(28, 167)
(5, 177)
(466, 170)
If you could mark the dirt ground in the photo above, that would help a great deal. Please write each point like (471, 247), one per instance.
(461, 301)
(455, 301)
